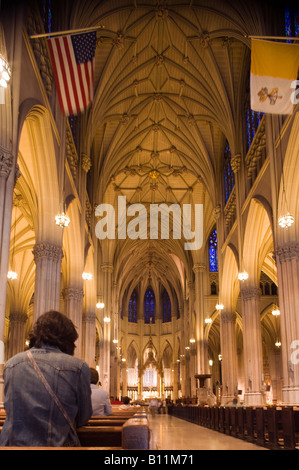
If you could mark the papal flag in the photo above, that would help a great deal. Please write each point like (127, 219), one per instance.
(73, 59)
(273, 74)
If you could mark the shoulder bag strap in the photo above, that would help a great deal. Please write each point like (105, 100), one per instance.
(51, 392)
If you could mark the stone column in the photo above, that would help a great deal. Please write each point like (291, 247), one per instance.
(201, 344)
(287, 259)
(17, 323)
(107, 270)
(89, 338)
(73, 307)
(252, 341)
(229, 356)
(47, 257)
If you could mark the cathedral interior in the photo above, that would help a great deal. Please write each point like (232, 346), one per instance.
(170, 123)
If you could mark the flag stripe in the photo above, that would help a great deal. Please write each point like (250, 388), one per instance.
(73, 66)
(71, 74)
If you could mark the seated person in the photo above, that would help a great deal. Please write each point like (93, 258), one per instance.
(126, 404)
(101, 405)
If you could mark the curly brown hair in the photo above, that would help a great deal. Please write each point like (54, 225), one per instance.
(55, 329)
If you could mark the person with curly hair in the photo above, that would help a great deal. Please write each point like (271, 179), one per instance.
(47, 389)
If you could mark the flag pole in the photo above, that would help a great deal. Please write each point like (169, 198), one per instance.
(284, 38)
(72, 31)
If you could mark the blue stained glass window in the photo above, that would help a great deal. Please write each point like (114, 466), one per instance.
(253, 119)
(291, 21)
(46, 13)
(229, 179)
(133, 307)
(213, 256)
(166, 307)
(149, 306)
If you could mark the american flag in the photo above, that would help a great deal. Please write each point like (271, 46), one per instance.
(73, 59)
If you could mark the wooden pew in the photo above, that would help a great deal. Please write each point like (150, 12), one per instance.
(100, 436)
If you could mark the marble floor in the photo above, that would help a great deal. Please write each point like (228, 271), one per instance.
(170, 433)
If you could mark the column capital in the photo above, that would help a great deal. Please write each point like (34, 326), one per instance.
(228, 317)
(18, 317)
(107, 267)
(48, 251)
(248, 293)
(6, 163)
(72, 293)
(199, 267)
(287, 252)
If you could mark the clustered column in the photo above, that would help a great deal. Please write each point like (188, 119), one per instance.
(73, 301)
(229, 356)
(47, 257)
(287, 260)
(252, 338)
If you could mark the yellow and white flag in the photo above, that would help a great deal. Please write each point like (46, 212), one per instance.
(274, 68)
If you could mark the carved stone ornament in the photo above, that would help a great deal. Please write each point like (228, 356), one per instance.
(249, 293)
(287, 252)
(72, 293)
(48, 251)
(6, 163)
(228, 317)
(86, 163)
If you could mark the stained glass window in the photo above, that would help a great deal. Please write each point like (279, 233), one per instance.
(291, 21)
(229, 179)
(46, 13)
(166, 307)
(213, 251)
(149, 306)
(133, 307)
(253, 119)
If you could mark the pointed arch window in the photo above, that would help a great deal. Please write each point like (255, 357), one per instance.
(149, 306)
(229, 179)
(133, 307)
(166, 307)
(213, 251)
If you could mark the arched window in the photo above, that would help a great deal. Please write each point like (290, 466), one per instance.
(213, 256)
(229, 179)
(133, 307)
(166, 307)
(149, 306)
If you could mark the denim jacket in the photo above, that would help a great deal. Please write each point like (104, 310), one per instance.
(32, 417)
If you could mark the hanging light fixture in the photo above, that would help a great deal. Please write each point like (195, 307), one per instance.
(243, 276)
(100, 305)
(87, 276)
(62, 220)
(12, 275)
(5, 72)
(208, 320)
(278, 344)
(219, 307)
(276, 312)
(286, 220)
(107, 319)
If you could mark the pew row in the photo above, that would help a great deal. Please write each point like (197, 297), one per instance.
(271, 427)
(130, 432)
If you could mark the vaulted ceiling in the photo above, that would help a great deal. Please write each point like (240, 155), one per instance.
(171, 85)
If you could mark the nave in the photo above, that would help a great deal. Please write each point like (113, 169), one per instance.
(170, 433)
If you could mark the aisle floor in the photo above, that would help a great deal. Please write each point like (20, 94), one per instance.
(170, 433)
